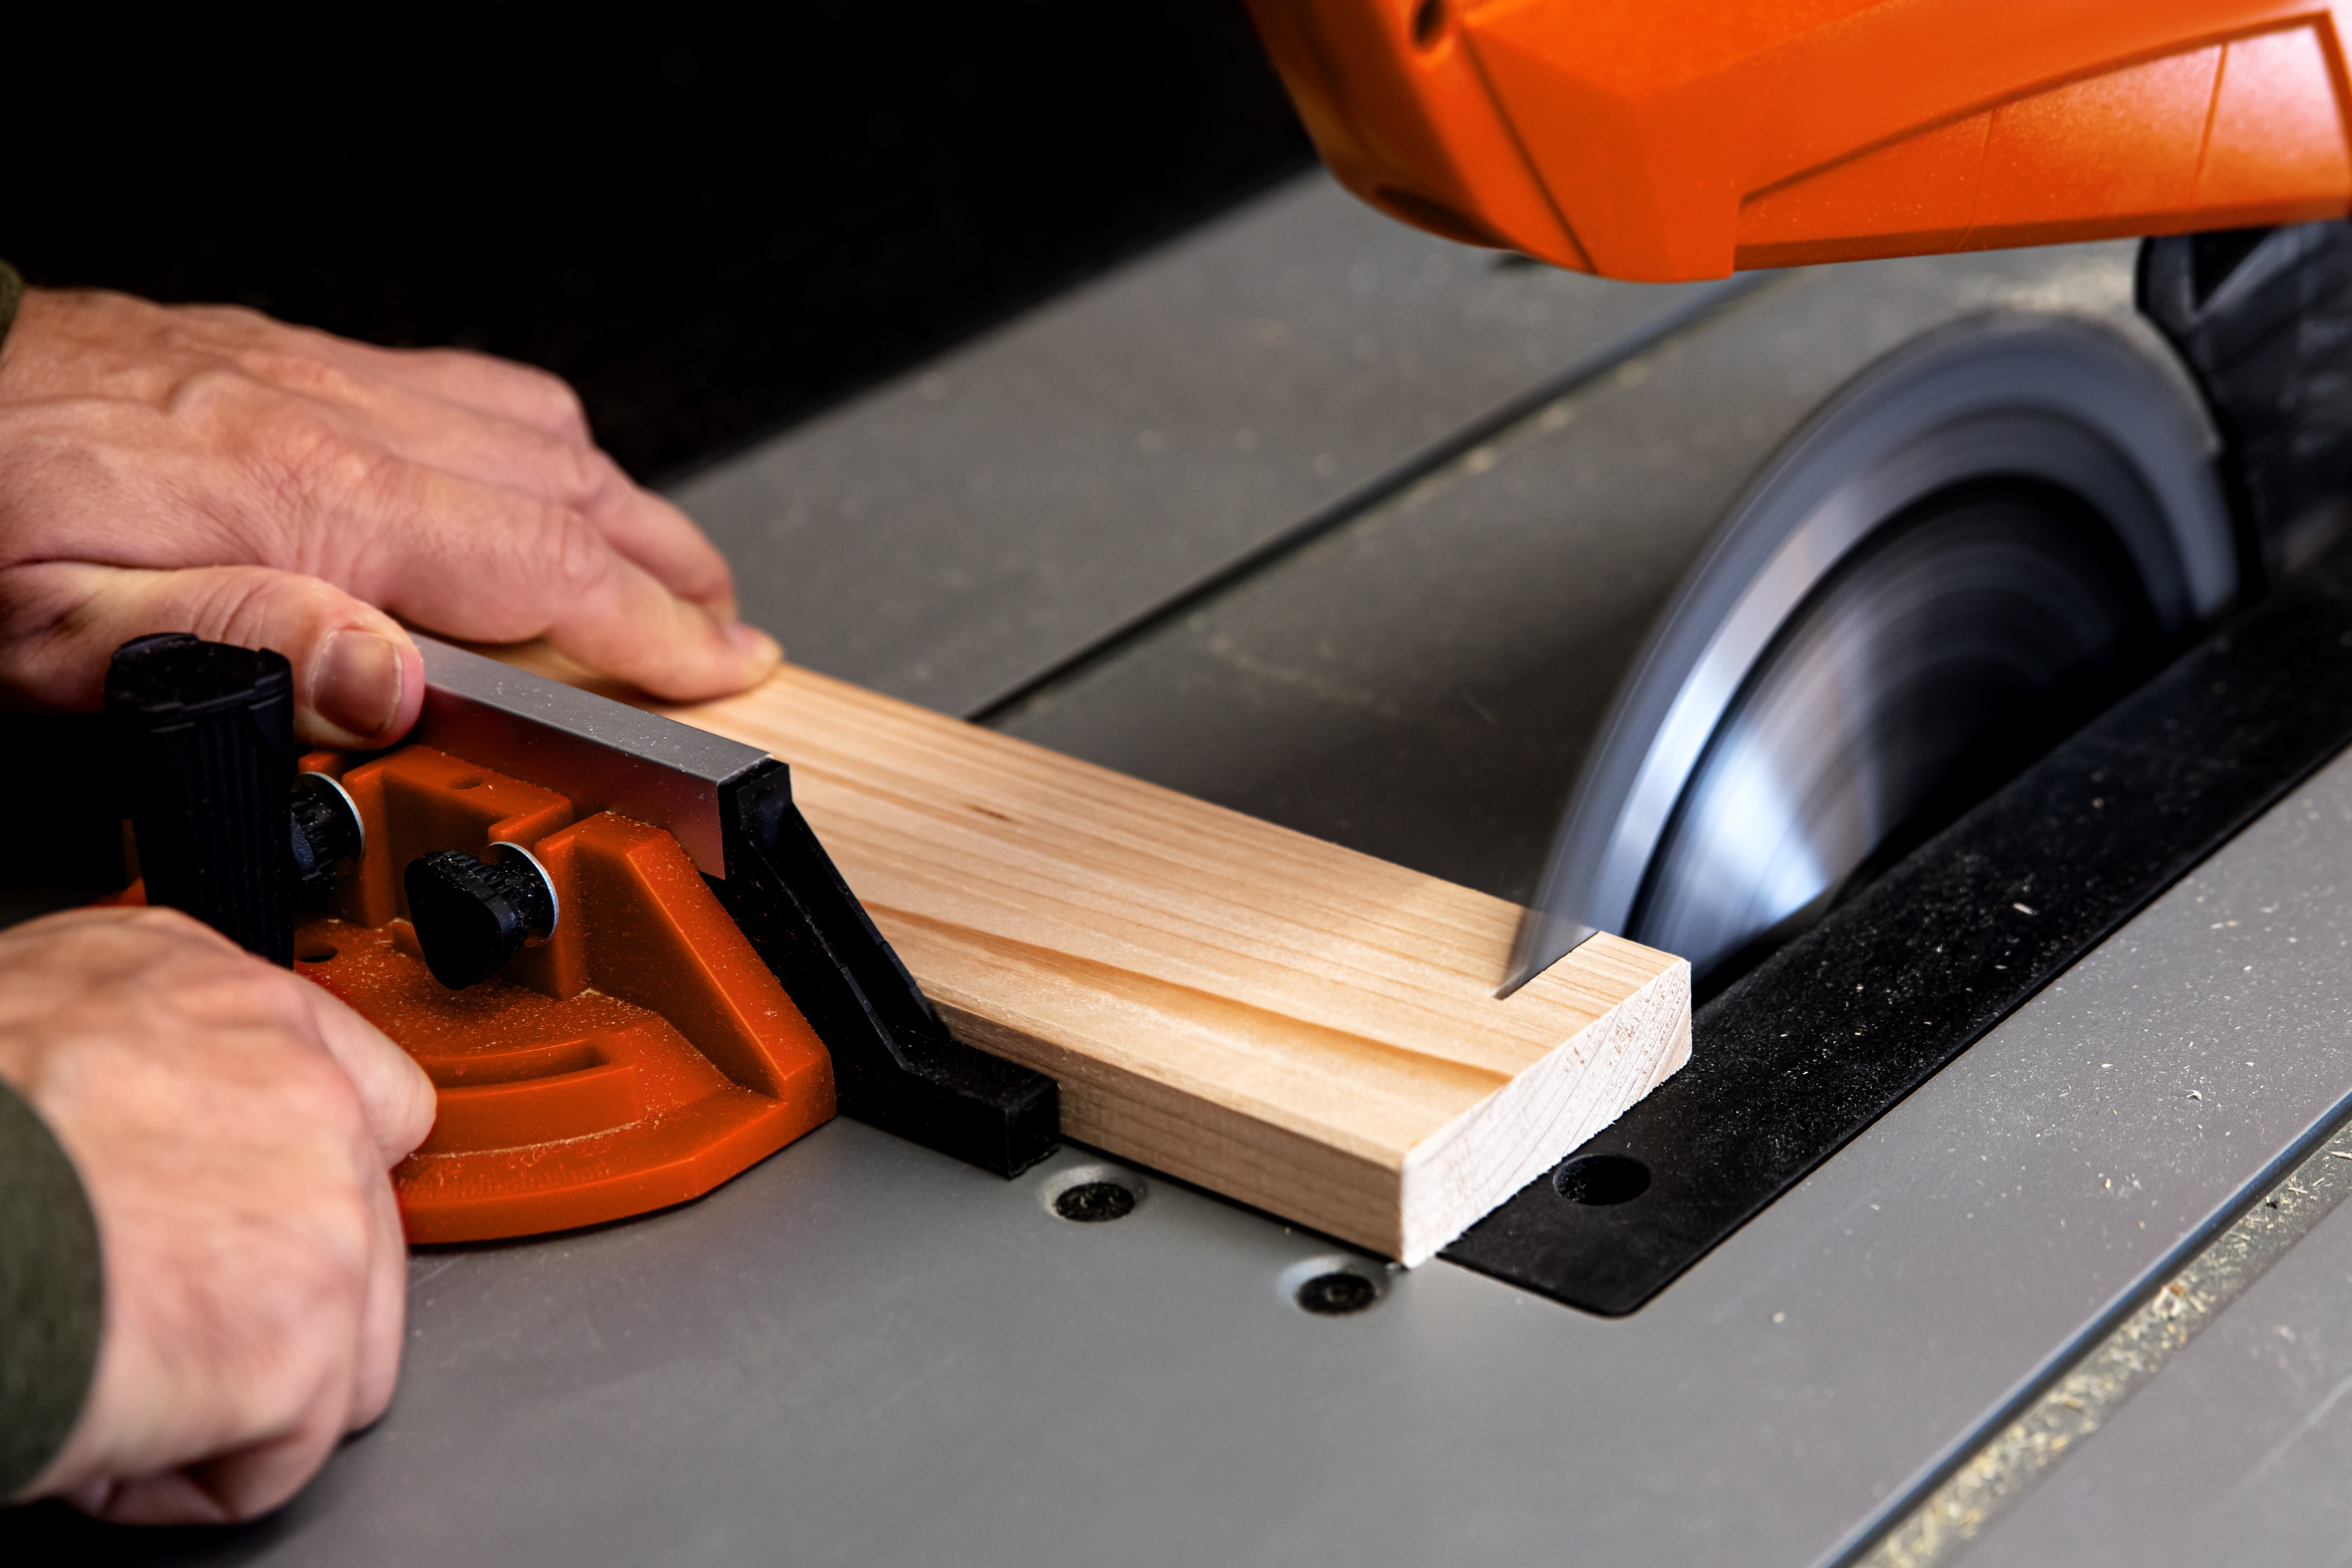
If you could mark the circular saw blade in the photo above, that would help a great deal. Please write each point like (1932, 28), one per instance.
(1978, 529)
(1950, 649)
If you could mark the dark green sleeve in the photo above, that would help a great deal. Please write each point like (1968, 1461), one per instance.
(51, 1291)
(51, 1294)
(12, 294)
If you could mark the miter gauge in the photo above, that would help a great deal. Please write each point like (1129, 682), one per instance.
(611, 939)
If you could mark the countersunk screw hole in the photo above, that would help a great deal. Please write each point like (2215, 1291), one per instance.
(1428, 22)
(466, 784)
(1091, 1203)
(1601, 1179)
(316, 954)
(1337, 1294)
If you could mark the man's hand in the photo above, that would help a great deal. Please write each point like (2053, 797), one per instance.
(232, 1125)
(207, 469)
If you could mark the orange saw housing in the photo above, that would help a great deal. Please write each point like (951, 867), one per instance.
(1668, 139)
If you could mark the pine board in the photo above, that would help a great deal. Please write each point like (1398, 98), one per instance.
(1300, 1027)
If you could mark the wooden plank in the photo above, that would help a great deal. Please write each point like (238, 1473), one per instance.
(1295, 1024)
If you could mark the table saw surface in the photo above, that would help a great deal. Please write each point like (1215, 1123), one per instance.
(1373, 473)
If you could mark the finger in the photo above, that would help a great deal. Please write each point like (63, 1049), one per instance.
(667, 542)
(511, 455)
(383, 1316)
(395, 1096)
(522, 393)
(148, 920)
(244, 1484)
(233, 1482)
(396, 1100)
(171, 1497)
(630, 626)
(359, 681)
(489, 565)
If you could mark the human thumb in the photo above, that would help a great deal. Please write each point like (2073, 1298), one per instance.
(359, 681)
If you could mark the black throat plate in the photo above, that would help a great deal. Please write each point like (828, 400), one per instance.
(1822, 1039)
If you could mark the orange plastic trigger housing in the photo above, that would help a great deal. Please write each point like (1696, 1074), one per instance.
(639, 1057)
(1669, 140)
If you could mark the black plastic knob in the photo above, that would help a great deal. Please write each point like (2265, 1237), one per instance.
(326, 832)
(471, 915)
(203, 735)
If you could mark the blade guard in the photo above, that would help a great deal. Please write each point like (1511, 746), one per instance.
(1683, 139)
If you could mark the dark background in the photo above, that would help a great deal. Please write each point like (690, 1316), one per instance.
(713, 220)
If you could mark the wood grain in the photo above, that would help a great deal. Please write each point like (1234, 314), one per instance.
(1295, 1024)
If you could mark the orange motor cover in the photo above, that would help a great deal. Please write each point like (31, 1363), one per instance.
(1669, 140)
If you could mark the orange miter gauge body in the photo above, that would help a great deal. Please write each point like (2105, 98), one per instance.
(1668, 139)
(638, 1058)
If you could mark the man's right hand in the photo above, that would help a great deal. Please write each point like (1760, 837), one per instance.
(232, 1125)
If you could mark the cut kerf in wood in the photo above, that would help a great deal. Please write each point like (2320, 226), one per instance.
(1300, 1027)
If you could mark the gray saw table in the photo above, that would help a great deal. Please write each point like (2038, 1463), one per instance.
(1353, 528)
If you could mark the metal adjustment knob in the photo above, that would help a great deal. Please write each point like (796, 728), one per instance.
(325, 829)
(473, 915)
(203, 733)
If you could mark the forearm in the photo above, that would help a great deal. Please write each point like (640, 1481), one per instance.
(51, 1294)
(51, 1284)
